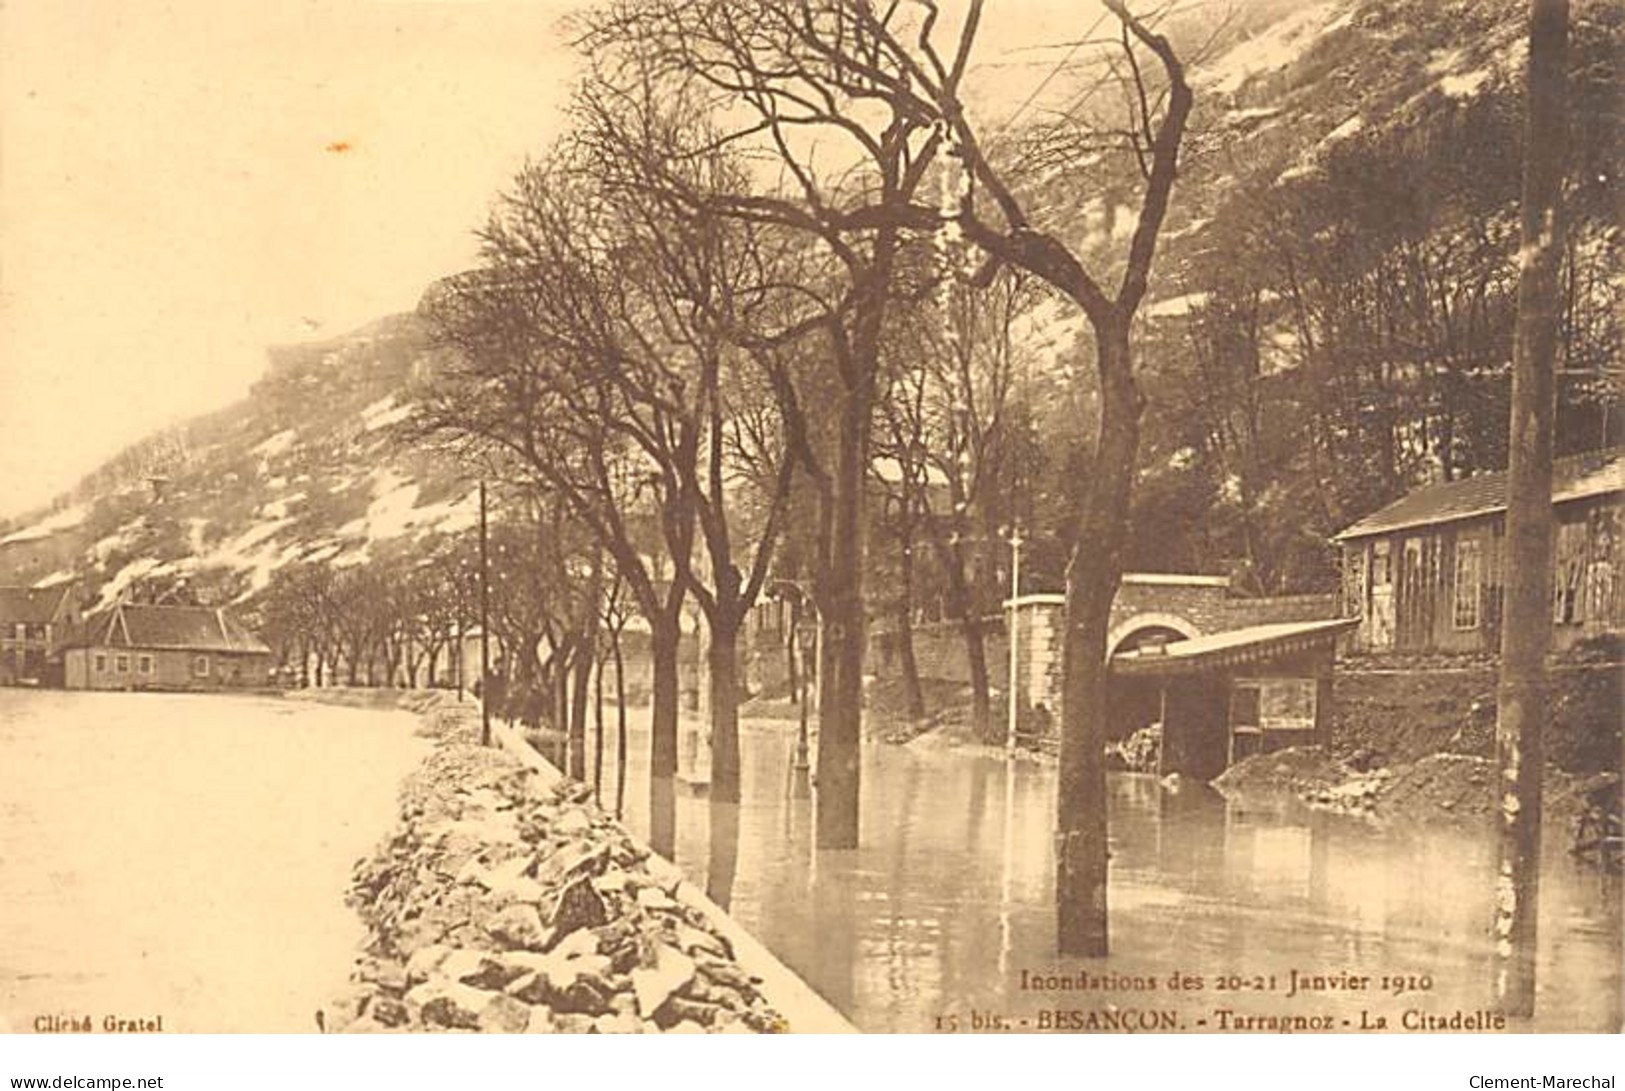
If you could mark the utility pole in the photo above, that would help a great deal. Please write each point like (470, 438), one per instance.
(1015, 593)
(485, 626)
(1521, 694)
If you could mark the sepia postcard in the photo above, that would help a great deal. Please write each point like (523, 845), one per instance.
(813, 516)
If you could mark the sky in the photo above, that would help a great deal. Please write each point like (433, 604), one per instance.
(184, 182)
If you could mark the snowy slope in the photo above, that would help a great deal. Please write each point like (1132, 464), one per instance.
(311, 466)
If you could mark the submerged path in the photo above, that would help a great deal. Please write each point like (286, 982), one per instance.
(944, 910)
(185, 856)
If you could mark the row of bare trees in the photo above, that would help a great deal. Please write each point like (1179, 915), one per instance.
(693, 306)
(372, 623)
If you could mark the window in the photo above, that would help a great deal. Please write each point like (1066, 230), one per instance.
(1602, 580)
(1469, 579)
(1287, 704)
(1568, 570)
(122, 662)
(1381, 576)
(101, 663)
(1274, 704)
(200, 666)
(1354, 562)
(144, 664)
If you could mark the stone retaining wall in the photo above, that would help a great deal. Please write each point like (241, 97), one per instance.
(506, 901)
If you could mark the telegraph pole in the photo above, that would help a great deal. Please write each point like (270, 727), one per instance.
(485, 627)
(1521, 693)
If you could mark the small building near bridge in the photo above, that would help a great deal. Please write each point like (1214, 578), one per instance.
(135, 647)
(1224, 697)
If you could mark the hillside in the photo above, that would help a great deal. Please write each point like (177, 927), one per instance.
(308, 467)
(1292, 103)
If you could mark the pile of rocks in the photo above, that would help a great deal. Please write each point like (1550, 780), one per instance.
(1359, 795)
(506, 902)
(1296, 771)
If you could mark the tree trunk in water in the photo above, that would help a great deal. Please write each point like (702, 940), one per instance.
(620, 725)
(561, 699)
(1091, 583)
(586, 645)
(664, 636)
(724, 681)
(1521, 697)
(976, 657)
(913, 695)
(457, 659)
(582, 669)
(962, 601)
(598, 732)
(840, 674)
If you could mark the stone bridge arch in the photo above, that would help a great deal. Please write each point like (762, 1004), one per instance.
(1188, 605)
(1149, 621)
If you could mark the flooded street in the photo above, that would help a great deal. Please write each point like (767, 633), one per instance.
(943, 915)
(185, 855)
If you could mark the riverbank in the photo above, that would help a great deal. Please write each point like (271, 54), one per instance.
(505, 901)
(1439, 790)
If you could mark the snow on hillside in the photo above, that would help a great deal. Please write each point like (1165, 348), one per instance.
(1276, 48)
(307, 468)
(65, 519)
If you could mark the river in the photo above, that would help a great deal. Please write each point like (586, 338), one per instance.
(942, 917)
(185, 855)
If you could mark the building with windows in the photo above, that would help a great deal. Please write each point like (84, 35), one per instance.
(34, 625)
(1424, 574)
(132, 647)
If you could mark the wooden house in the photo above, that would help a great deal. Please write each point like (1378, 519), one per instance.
(1424, 574)
(34, 625)
(167, 647)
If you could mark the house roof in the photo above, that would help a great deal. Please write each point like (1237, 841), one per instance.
(185, 628)
(1237, 647)
(31, 605)
(1594, 473)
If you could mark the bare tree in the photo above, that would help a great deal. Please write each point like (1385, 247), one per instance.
(877, 78)
(509, 388)
(960, 394)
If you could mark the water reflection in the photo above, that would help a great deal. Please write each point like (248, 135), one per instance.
(946, 905)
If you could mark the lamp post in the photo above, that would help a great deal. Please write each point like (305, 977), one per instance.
(806, 637)
(804, 646)
(1015, 593)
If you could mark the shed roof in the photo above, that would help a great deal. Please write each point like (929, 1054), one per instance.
(1237, 647)
(1594, 473)
(30, 605)
(185, 628)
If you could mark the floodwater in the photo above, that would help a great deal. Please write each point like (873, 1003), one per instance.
(185, 856)
(942, 920)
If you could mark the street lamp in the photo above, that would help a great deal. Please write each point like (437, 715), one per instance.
(806, 637)
(804, 645)
(1015, 541)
